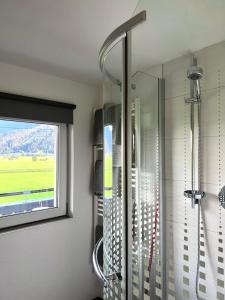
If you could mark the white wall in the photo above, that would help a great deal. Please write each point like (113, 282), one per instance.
(181, 218)
(52, 261)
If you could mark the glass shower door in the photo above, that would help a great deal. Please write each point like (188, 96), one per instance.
(113, 204)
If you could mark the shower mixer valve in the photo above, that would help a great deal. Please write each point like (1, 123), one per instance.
(222, 197)
(195, 195)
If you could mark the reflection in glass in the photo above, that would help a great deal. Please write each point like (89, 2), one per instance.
(108, 161)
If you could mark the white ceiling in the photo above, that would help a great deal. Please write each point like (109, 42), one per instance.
(63, 37)
(175, 28)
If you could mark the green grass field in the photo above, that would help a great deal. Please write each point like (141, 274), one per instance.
(24, 173)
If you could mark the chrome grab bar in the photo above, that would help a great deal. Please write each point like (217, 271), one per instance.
(106, 279)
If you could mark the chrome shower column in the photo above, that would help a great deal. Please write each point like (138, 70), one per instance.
(194, 74)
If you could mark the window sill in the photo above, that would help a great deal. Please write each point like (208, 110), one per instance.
(35, 223)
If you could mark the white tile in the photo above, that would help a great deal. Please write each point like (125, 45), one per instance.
(213, 79)
(178, 208)
(209, 160)
(191, 214)
(211, 253)
(174, 73)
(210, 207)
(213, 112)
(209, 113)
(221, 110)
(175, 201)
(177, 118)
(187, 282)
(176, 241)
(184, 284)
(184, 270)
(212, 58)
(176, 85)
(221, 159)
(176, 155)
(210, 259)
(210, 79)
(180, 216)
(178, 65)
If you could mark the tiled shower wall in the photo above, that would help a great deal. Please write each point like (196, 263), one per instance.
(181, 218)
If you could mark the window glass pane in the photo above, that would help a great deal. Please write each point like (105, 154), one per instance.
(28, 154)
(108, 161)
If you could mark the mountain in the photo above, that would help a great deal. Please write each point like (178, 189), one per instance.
(34, 139)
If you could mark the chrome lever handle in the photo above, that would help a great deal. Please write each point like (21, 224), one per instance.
(106, 279)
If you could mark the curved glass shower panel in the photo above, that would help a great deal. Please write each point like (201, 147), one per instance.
(146, 265)
(113, 205)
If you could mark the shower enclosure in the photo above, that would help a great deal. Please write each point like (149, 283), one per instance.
(164, 156)
(133, 234)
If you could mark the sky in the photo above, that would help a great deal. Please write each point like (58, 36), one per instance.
(9, 126)
(108, 139)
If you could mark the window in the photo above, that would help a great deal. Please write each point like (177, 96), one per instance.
(34, 177)
(108, 160)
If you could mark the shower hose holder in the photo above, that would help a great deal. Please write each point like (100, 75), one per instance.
(193, 100)
(195, 195)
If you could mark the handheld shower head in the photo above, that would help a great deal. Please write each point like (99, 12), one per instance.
(194, 73)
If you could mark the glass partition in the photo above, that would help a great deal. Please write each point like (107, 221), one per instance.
(113, 203)
(132, 174)
(146, 259)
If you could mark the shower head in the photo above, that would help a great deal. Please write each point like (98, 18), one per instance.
(195, 73)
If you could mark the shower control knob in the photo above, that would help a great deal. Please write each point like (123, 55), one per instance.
(222, 197)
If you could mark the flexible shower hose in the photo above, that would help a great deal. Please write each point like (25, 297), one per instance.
(198, 259)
